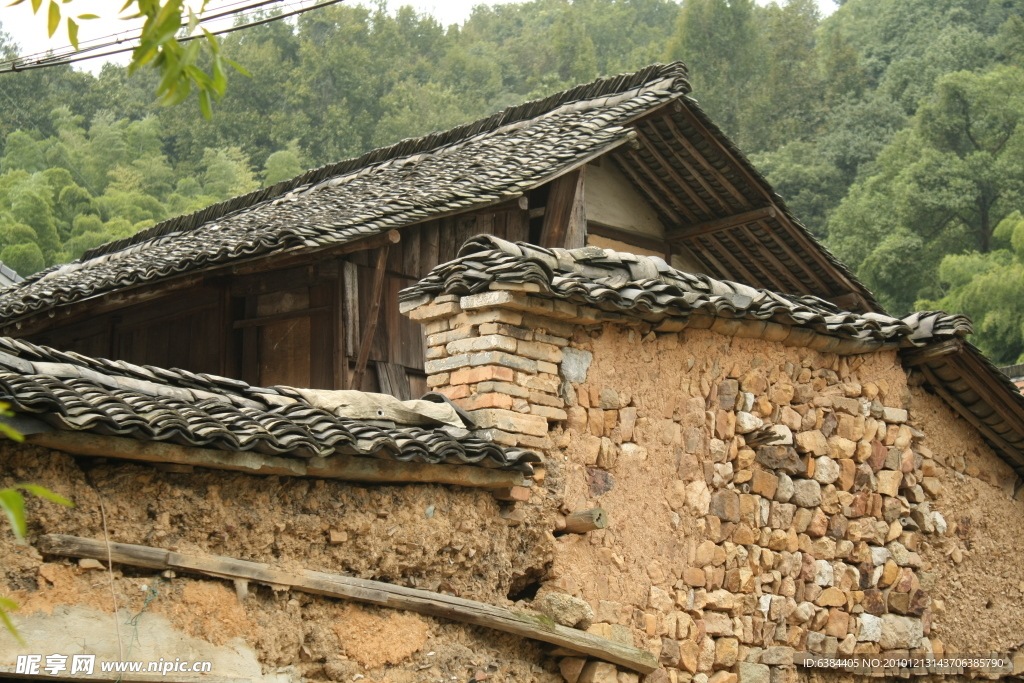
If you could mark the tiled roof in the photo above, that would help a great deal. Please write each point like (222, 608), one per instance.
(72, 392)
(646, 287)
(473, 165)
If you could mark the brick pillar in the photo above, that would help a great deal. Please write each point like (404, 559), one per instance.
(497, 355)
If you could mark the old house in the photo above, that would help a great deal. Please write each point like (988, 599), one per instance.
(664, 433)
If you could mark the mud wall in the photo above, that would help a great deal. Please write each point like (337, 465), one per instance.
(879, 522)
(450, 539)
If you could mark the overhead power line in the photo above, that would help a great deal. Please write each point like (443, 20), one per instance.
(117, 46)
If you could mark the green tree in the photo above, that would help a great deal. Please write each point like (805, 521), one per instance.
(283, 164)
(26, 258)
(939, 188)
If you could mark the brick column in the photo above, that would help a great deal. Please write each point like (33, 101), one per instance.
(497, 354)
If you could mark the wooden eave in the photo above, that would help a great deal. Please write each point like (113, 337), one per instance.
(713, 202)
(976, 389)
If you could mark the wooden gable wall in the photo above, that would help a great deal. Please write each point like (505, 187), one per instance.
(299, 326)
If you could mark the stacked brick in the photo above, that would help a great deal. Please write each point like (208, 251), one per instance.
(498, 363)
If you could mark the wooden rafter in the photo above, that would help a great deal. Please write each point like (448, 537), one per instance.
(671, 172)
(965, 412)
(705, 254)
(628, 169)
(755, 261)
(696, 174)
(703, 161)
(738, 267)
(786, 273)
(792, 254)
(666, 192)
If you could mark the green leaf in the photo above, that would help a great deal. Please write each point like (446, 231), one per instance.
(204, 105)
(36, 4)
(6, 605)
(11, 433)
(238, 67)
(73, 33)
(14, 505)
(54, 19)
(46, 493)
(88, 17)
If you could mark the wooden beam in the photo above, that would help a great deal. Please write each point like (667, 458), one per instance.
(277, 317)
(936, 384)
(785, 272)
(642, 185)
(703, 253)
(343, 467)
(371, 318)
(379, 593)
(697, 175)
(724, 151)
(564, 213)
(926, 354)
(755, 260)
(627, 236)
(738, 268)
(671, 172)
(708, 227)
(666, 191)
(792, 254)
(703, 161)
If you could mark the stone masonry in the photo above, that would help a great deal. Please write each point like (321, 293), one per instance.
(809, 494)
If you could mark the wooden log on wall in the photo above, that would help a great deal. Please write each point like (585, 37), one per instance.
(362, 590)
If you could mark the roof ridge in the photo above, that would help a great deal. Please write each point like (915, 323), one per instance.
(602, 87)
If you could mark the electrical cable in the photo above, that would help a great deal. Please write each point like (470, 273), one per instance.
(12, 66)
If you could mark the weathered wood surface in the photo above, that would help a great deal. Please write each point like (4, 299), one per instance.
(370, 325)
(344, 467)
(362, 590)
(586, 520)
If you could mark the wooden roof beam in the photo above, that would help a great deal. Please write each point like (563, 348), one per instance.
(737, 267)
(696, 174)
(785, 272)
(792, 254)
(702, 160)
(670, 171)
(634, 175)
(974, 420)
(756, 262)
(708, 227)
(668, 194)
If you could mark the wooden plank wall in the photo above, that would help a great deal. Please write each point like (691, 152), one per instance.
(297, 326)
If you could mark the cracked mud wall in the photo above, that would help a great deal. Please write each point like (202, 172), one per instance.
(433, 537)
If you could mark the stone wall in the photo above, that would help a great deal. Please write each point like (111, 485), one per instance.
(764, 500)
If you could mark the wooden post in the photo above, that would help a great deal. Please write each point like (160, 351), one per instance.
(372, 317)
(565, 218)
(586, 520)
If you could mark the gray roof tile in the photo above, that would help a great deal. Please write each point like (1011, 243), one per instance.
(73, 392)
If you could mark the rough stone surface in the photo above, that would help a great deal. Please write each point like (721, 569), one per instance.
(566, 610)
(900, 632)
(575, 364)
(806, 493)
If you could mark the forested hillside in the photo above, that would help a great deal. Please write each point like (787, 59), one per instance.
(891, 127)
